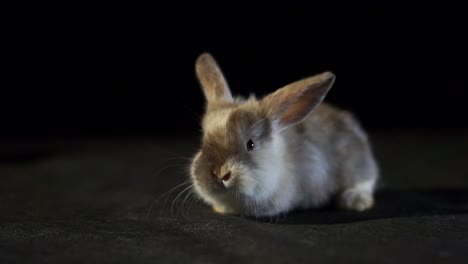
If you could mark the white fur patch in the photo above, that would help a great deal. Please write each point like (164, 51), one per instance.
(271, 167)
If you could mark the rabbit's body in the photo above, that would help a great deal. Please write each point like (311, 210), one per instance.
(324, 156)
(296, 160)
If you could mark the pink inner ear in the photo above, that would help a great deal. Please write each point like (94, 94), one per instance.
(292, 103)
(296, 112)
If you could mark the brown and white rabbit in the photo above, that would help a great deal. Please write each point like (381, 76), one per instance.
(283, 152)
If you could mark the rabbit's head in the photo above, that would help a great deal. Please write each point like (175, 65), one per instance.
(242, 155)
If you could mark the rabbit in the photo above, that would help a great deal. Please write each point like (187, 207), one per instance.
(286, 151)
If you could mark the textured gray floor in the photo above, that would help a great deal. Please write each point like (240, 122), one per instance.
(101, 201)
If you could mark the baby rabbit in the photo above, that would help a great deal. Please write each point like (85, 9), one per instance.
(286, 151)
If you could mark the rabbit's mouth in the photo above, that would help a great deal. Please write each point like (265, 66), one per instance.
(238, 187)
(229, 184)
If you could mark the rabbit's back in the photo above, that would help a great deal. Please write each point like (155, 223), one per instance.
(324, 151)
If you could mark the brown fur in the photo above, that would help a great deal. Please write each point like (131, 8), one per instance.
(212, 79)
(300, 160)
(245, 122)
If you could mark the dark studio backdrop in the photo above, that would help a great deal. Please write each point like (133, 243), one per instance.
(122, 70)
(92, 93)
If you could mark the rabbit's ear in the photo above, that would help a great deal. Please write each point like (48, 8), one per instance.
(292, 103)
(212, 79)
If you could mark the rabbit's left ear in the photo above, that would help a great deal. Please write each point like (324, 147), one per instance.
(292, 103)
(212, 79)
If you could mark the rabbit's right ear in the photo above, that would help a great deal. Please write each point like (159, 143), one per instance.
(292, 103)
(212, 79)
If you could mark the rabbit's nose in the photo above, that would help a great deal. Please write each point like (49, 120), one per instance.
(219, 177)
(226, 176)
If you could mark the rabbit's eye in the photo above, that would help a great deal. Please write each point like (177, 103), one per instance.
(250, 145)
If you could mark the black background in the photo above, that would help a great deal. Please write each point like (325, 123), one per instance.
(121, 69)
(111, 69)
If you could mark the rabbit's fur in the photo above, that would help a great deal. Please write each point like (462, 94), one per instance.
(283, 152)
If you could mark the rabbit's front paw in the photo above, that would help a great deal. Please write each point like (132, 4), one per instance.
(223, 210)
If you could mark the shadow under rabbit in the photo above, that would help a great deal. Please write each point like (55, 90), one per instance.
(389, 203)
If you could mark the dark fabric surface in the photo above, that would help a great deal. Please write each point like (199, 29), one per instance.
(110, 201)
